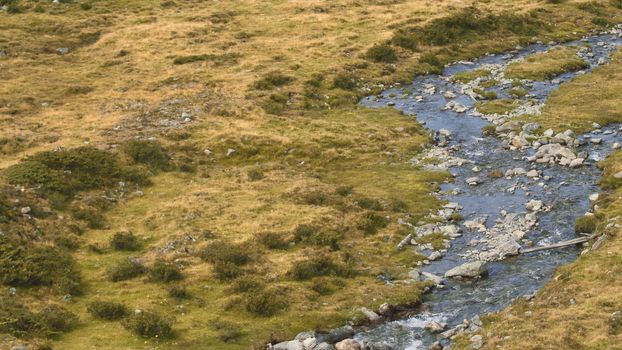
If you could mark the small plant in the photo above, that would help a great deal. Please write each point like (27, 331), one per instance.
(124, 241)
(255, 174)
(86, 6)
(266, 302)
(344, 81)
(228, 332)
(326, 286)
(371, 222)
(304, 232)
(107, 310)
(369, 203)
(162, 271)
(149, 324)
(405, 41)
(489, 130)
(344, 190)
(382, 53)
(272, 240)
(226, 271)
(321, 265)
(585, 224)
(179, 292)
(220, 251)
(434, 63)
(272, 80)
(57, 319)
(247, 284)
(149, 153)
(125, 270)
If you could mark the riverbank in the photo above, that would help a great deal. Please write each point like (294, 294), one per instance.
(580, 307)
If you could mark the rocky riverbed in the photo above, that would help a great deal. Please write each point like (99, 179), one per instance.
(523, 187)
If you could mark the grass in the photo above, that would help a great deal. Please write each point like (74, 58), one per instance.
(500, 106)
(168, 89)
(547, 65)
(465, 77)
(573, 106)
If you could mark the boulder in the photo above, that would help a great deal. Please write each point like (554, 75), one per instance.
(435, 327)
(289, 345)
(370, 315)
(324, 346)
(575, 163)
(473, 181)
(468, 270)
(348, 344)
(336, 335)
(432, 277)
(534, 205)
(477, 341)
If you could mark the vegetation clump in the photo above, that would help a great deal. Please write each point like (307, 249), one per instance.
(126, 269)
(17, 320)
(272, 240)
(266, 302)
(28, 265)
(148, 152)
(124, 241)
(149, 324)
(382, 53)
(107, 310)
(162, 271)
(322, 265)
(345, 81)
(272, 80)
(371, 222)
(179, 292)
(585, 224)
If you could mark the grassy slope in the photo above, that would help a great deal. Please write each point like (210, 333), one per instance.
(551, 319)
(546, 65)
(129, 73)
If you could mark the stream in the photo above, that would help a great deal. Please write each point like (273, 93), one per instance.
(563, 189)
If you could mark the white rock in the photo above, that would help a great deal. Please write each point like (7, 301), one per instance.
(594, 197)
(467, 270)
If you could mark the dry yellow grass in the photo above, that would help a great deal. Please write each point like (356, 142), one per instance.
(547, 65)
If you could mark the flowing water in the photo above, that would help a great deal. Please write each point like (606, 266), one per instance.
(566, 193)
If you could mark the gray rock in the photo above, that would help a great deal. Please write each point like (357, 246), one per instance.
(336, 335)
(531, 127)
(304, 335)
(474, 181)
(348, 344)
(435, 327)
(477, 341)
(289, 345)
(62, 50)
(432, 277)
(370, 315)
(324, 346)
(468, 270)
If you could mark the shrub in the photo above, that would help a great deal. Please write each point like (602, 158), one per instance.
(68, 171)
(489, 130)
(57, 319)
(124, 241)
(304, 232)
(255, 174)
(272, 80)
(18, 321)
(162, 271)
(125, 270)
(382, 53)
(435, 64)
(315, 81)
(369, 203)
(226, 270)
(107, 310)
(344, 190)
(92, 217)
(247, 284)
(616, 3)
(344, 81)
(218, 60)
(149, 324)
(220, 251)
(228, 332)
(370, 223)
(266, 302)
(326, 286)
(405, 41)
(86, 6)
(149, 153)
(585, 224)
(29, 266)
(318, 266)
(272, 240)
(179, 292)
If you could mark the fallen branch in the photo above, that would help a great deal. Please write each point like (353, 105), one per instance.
(558, 245)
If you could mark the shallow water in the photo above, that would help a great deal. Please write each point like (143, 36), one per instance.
(566, 192)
